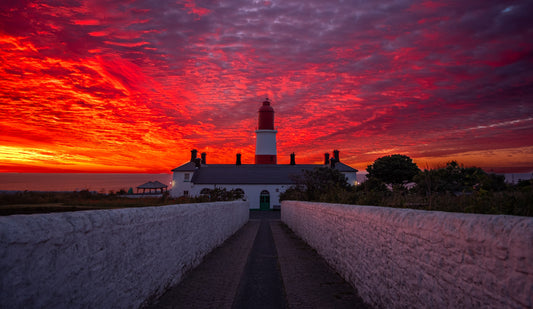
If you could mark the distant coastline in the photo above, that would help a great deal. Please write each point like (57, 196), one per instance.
(107, 182)
(516, 177)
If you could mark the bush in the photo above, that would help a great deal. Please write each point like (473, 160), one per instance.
(322, 184)
(453, 188)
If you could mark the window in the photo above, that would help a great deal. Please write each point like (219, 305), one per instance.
(186, 177)
(185, 193)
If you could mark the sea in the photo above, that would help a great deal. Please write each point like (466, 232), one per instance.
(113, 182)
(514, 178)
(103, 183)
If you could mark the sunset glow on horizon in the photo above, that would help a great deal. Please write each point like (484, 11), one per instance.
(133, 86)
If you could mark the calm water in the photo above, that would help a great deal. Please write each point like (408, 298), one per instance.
(112, 182)
(77, 181)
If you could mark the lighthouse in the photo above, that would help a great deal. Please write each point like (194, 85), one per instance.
(261, 183)
(265, 136)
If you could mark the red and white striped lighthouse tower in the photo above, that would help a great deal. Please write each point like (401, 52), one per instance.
(265, 136)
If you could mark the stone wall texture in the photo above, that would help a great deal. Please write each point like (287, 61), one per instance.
(404, 258)
(107, 258)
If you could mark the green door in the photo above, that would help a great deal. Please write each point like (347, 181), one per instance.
(264, 200)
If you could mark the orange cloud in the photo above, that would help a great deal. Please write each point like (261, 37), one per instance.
(119, 87)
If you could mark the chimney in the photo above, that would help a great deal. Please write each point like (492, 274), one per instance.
(193, 154)
(326, 158)
(293, 161)
(336, 155)
(198, 162)
(333, 161)
(204, 155)
(238, 162)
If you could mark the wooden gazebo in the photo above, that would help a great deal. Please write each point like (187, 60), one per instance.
(156, 186)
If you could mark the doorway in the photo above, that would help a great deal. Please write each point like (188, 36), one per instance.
(264, 200)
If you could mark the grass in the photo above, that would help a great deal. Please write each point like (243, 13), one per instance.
(29, 202)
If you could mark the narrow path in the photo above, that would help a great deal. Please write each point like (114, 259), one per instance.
(309, 281)
(264, 265)
(261, 285)
(214, 283)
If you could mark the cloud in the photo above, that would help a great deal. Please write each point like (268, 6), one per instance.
(144, 81)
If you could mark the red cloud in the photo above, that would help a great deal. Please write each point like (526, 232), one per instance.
(87, 22)
(134, 88)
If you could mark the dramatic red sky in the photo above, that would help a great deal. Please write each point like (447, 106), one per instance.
(133, 86)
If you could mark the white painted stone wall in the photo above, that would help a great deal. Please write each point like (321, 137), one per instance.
(179, 185)
(403, 258)
(251, 192)
(107, 258)
(351, 178)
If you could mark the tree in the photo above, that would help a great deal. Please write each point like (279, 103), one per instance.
(395, 169)
(322, 184)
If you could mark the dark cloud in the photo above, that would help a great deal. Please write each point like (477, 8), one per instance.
(369, 76)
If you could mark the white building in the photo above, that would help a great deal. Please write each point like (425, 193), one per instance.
(261, 182)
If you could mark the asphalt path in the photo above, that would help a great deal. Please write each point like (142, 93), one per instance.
(261, 285)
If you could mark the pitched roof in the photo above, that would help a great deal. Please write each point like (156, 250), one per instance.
(152, 185)
(187, 167)
(341, 167)
(191, 166)
(254, 174)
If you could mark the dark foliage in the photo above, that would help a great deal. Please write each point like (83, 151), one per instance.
(453, 188)
(395, 169)
(320, 184)
(220, 194)
(458, 179)
(29, 202)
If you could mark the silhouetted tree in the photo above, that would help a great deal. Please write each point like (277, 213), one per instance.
(394, 170)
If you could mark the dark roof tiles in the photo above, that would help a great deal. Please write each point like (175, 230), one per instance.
(152, 185)
(341, 167)
(254, 174)
(247, 174)
(187, 167)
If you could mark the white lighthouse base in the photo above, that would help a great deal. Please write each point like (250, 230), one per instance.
(265, 147)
